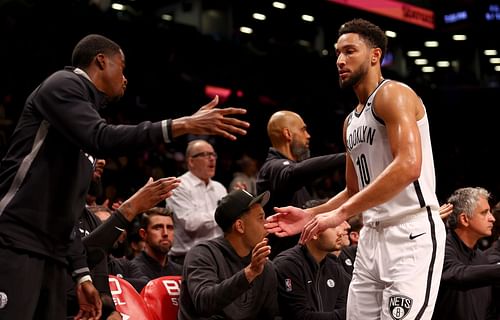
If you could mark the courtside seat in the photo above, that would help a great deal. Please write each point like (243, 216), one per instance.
(161, 296)
(127, 300)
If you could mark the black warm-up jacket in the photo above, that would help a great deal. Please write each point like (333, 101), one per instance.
(308, 290)
(45, 174)
(466, 286)
(289, 183)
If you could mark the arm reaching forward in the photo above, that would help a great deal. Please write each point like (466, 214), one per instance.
(212, 121)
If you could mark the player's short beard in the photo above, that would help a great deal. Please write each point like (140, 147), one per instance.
(300, 151)
(354, 79)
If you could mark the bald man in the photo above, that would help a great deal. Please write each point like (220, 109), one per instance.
(195, 200)
(288, 170)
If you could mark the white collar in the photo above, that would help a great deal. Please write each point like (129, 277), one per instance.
(82, 73)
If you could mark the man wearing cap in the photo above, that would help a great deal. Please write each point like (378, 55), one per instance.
(231, 276)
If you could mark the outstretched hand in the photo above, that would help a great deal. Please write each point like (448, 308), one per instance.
(287, 221)
(215, 121)
(148, 196)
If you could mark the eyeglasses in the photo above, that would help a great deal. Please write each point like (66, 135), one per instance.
(204, 154)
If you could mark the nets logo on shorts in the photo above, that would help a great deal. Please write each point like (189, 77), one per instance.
(399, 306)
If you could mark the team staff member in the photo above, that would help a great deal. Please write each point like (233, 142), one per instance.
(390, 179)
(289, 170)
(45, 174)
(466, 285)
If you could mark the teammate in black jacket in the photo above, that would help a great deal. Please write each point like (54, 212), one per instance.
(45, 174)
(311, 282)
(289, 171)
(231, 277)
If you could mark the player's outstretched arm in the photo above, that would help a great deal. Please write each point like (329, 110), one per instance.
(211, 121)
(148, 196)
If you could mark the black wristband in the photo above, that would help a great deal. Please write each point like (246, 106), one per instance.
(121, 218)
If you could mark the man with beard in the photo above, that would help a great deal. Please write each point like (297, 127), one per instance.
(390, 179)
(312, 284)
(288, 170)
(157, 231)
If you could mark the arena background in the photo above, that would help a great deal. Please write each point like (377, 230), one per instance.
(178, 51)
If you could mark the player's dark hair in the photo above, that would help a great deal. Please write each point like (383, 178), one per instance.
(371, 33)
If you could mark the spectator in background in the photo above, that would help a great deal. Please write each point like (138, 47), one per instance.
(288, 170)
(157, 231)
(466, 283)
(231, 277)
(194, 202)
(60, 122)
(311, 282)
(245, 177)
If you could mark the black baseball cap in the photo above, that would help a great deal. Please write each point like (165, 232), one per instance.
(234, 204)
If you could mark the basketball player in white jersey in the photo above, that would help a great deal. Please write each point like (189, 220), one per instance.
(390, 179)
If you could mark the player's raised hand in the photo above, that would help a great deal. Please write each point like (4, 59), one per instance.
(287, 221)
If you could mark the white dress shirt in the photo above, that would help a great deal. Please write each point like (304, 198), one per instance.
(194, 204)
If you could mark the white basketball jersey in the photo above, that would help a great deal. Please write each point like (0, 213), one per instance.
(370, 152)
